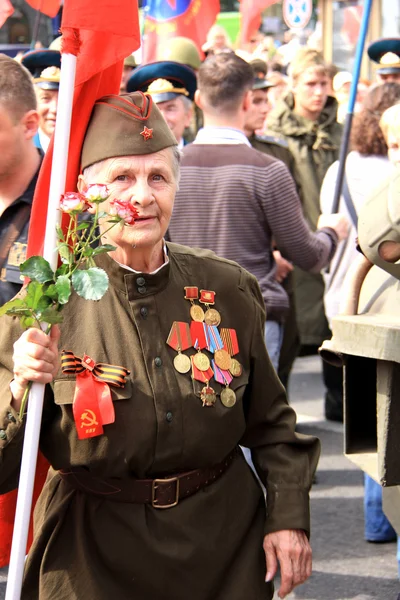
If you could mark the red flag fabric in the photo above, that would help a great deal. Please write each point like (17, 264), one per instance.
(107, 36)
(6, 10)
(250, 17)
(165, 19)
(47, 7)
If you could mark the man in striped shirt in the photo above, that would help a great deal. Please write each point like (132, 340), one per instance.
(234, 200)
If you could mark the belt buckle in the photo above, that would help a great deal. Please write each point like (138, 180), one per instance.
(156, 484)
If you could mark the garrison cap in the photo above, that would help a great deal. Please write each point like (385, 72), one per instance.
(125, 125)
(44, 66)
(180, 49)
(260, 83)
(164, 80)
(386, 53)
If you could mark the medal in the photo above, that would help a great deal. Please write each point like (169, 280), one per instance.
(212, 316)
(208, 396)
(222, 359)
(235, 368)
(179, 339)
(228, 397)
(231, 345)
(182, 363)
(201, 361)
(196, 312)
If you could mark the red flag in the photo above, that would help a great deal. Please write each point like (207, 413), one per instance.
(47, 7)
(250, 17)
(166, 19)
(107, 37)
(6, 10)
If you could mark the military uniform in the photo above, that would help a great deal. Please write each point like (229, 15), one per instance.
(10, 277)
(209, 546)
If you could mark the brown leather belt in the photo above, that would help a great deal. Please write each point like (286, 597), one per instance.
(164, 492)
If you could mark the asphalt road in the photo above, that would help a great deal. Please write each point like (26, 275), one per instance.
(345, 566)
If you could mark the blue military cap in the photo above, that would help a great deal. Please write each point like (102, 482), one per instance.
(386, 53)
(164, 80)
(44, 66)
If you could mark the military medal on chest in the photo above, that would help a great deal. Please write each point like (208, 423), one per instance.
(207, 394)
(198, 334)
(231, 345)
(179, 339)
(227, 395)
(212, 316)
(192, 294)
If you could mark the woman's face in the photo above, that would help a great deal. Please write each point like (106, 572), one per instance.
(394, 148)
(149, 183)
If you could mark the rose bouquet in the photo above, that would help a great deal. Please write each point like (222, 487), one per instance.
(48, 291)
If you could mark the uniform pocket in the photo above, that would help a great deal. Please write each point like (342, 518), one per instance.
(64, 391)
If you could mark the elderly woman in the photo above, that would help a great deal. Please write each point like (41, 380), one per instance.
(195, 391)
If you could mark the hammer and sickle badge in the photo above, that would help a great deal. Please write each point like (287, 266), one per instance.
(88, 418)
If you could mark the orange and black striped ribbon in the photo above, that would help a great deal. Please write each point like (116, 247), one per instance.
(112, 374)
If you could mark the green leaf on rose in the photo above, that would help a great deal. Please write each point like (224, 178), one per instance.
(43, 304)
(62, 270)
(90, 284)
(60, 233)
(65, 253)
(15, 303)
(63, 286)
(51, 291)
(85, 225)
(34, 291)
(102, 249)
(37, 269)
(51, 316)
(27, 322)
(88, 251)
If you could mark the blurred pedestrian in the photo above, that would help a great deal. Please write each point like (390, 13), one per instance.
(306, 118)
(366, 166)
(129, 66)
(44, 66)
(217, 41)
(19, 166)
(234, 200)
(390, 126)
(386, 54)
(172, 87)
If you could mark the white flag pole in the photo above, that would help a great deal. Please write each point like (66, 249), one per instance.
(36, 396)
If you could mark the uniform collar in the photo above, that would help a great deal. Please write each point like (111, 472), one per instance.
(136, 285)
(221, 135)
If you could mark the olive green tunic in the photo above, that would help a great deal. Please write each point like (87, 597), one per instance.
(314, 147)
(208, 547)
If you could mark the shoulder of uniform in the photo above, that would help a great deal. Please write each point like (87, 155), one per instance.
(200, 254)
(272, 139)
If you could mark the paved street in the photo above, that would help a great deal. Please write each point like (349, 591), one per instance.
(345, 566)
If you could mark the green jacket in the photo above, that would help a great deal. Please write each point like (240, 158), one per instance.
(314, 146)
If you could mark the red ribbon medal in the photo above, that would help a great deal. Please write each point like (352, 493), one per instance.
(92, 404)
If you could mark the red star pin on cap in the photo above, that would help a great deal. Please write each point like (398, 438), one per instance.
(147, 133)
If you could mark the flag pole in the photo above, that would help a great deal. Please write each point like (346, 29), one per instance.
(352, 100)
(36, 396)
(36, 24)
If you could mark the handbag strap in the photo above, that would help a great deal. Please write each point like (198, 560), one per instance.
(13, 231)
(349, 201)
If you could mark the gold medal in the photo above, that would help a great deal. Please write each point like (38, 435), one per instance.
(222, 359)
(212, 317)
(208, 396)
(197, 313)
(182, 363)
(235, 368)
(201, 361)
(228, 397)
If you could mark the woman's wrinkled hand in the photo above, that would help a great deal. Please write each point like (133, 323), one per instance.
(291, 549)
(35, 359)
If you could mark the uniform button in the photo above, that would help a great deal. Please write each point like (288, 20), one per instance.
(3, 435)
(142, 290)
(144, 312)
(140, 281)
(158, 361)
(11, 417)
(169, 416)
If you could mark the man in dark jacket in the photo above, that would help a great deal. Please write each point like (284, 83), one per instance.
(19, 166)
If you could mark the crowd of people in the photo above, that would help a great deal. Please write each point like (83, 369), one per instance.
(233, 182)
